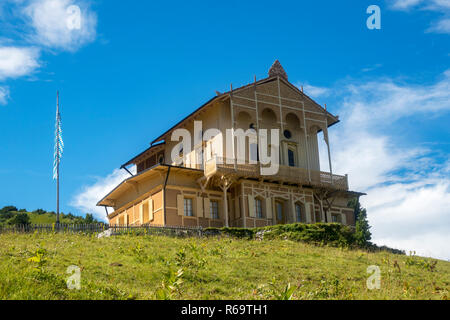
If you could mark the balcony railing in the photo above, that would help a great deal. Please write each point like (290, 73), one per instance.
(288, 174)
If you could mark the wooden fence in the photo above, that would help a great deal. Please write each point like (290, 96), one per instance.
(100, 227)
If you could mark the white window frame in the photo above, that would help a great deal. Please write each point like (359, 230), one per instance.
(298, 213)
(258, 208)
(214, 204)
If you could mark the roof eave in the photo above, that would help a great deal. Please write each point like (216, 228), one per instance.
(165, 166)
(140, 154)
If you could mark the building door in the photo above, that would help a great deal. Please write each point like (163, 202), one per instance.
(280, 212)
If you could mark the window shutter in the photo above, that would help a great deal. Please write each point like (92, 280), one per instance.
(150, 209)
(269, 208)
(141, 212)
(293, 212)
(180, 204)
(206, 207)
(251, 206)
(237, 211)
(344, 219)
(329, 218)
(199, 207)
(308, 212)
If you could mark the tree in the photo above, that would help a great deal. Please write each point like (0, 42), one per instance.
(362, 232)
(19, 218)
(39, 211)
(89, 218)
(8, 209)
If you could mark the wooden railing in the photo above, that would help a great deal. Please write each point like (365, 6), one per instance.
(289, 174)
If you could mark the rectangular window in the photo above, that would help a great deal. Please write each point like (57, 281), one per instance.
(279, 211)
(291, 158)
(188, 212)
(214, 209)
(254, 156)
(298, 212)
(334, 218)
(258, 208)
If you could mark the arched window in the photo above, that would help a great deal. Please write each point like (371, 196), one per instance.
(292, 121)
(268, 116)
(243, 120)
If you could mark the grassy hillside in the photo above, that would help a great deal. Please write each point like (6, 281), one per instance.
(33, 266)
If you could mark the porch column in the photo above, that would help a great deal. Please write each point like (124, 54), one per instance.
(225, 206)
(225, 184)
(306, 142)
(327, 141)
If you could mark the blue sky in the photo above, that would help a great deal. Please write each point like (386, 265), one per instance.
(134, 69)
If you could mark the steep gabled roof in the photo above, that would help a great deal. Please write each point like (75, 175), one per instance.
(225, 95)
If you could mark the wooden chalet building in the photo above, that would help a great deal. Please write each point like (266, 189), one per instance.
(210, 193)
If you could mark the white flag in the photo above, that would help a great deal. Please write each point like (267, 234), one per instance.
(59, 144)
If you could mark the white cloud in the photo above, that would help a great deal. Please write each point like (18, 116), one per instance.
(371, 68)
(405, 4)
(17, 62)
(51, 22)
(389, 100)
(87, 199)
(408, 210)
(314, 91)
(4, 95)
(442, 25)
(426, 243)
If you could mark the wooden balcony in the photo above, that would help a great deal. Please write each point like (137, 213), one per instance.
(219, 166)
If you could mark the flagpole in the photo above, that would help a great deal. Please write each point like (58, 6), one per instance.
(57, 163)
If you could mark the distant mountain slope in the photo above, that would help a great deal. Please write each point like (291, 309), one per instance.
(10, 215)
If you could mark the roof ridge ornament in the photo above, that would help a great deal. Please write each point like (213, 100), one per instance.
(277, 70)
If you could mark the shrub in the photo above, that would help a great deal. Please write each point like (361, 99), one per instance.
(8, 209)
(21, 218)
(233, 232)
(322, 233)
(39, 211)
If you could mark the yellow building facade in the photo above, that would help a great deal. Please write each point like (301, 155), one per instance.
(209, 186)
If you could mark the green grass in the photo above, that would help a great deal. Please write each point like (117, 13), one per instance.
(33, 266)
